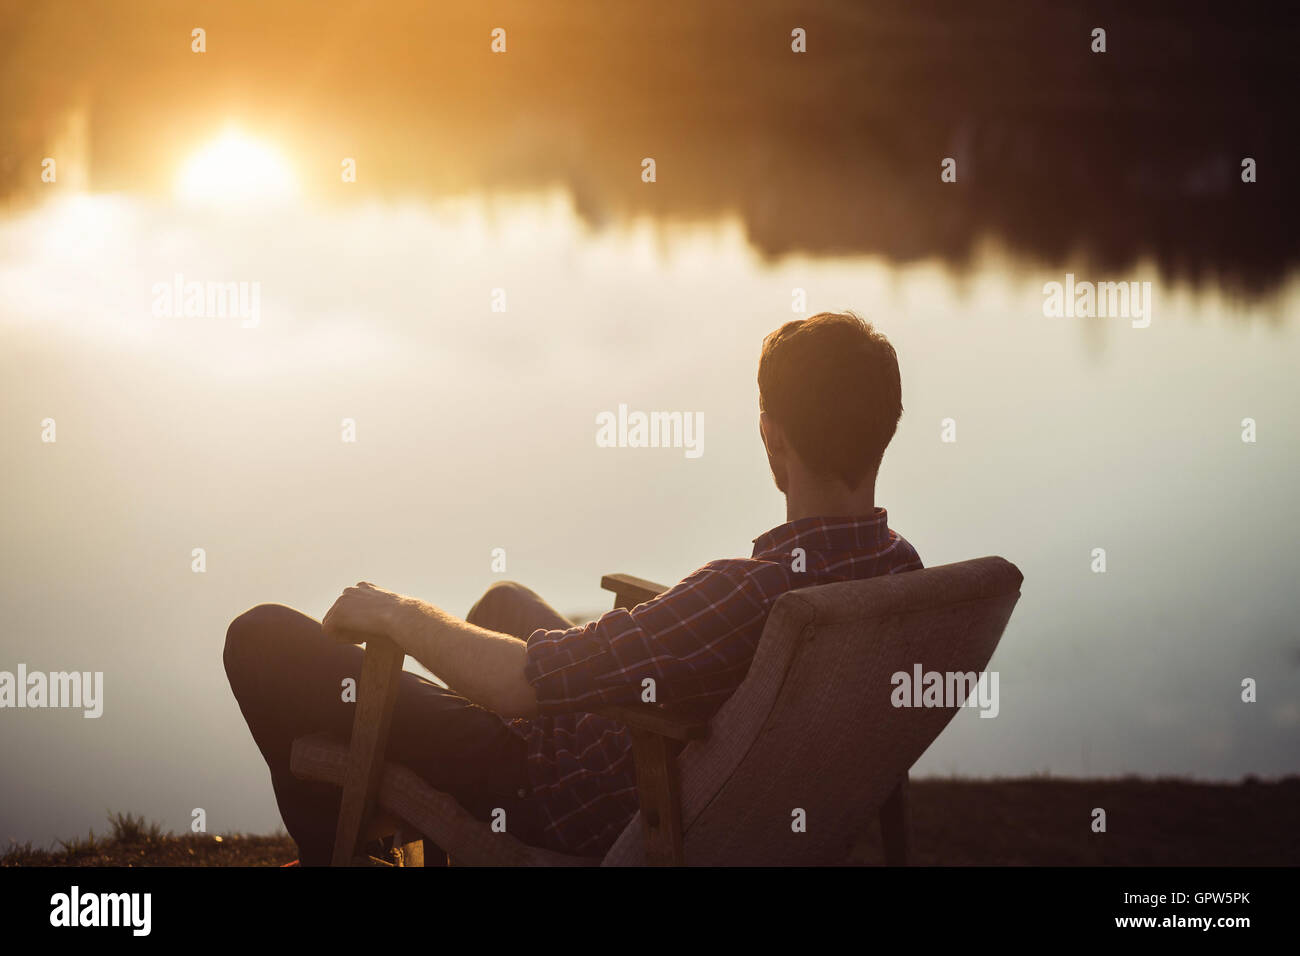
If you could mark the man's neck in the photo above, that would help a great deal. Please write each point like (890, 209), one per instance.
(822, 500)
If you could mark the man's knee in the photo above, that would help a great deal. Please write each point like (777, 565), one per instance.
(496, 602)
(247, 635)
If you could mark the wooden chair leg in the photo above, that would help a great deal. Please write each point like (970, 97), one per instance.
(659, 788)
(896, 826)
(407, 852)
(376, 697)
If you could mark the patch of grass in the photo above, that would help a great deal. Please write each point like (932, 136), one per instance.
(21, 854)
(128, 828)
(78, 846)
(136, 841)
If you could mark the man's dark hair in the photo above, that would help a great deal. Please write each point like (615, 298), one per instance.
(831, 382)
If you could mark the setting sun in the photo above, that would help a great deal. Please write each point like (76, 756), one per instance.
(235, 168)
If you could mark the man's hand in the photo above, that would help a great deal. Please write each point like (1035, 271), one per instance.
(482, 665)
(364, 609)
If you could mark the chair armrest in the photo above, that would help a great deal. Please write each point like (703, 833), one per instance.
(658, 732)
(675, 721)
(629, 591)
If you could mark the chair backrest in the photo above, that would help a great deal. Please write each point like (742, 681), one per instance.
(814, 727)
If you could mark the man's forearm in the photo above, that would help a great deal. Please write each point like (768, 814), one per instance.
(484, 666)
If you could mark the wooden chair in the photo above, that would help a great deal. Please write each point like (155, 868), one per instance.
(811, 728)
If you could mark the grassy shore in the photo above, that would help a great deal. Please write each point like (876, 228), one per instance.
(1034, 821)
(1045, 821)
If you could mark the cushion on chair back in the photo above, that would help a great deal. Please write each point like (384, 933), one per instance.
(812, 726)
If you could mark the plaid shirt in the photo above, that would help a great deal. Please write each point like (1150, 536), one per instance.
(696, 640)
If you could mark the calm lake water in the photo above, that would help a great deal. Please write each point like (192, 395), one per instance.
(476, 430)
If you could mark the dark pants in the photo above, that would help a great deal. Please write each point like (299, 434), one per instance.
(288, 679)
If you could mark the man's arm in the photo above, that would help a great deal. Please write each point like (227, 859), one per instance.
(481, 665)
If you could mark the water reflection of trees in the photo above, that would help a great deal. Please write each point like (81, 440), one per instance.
(1060, 152)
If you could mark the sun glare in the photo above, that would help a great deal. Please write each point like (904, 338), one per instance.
(236, 169)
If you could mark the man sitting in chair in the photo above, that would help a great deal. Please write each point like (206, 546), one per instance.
(514, 732)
